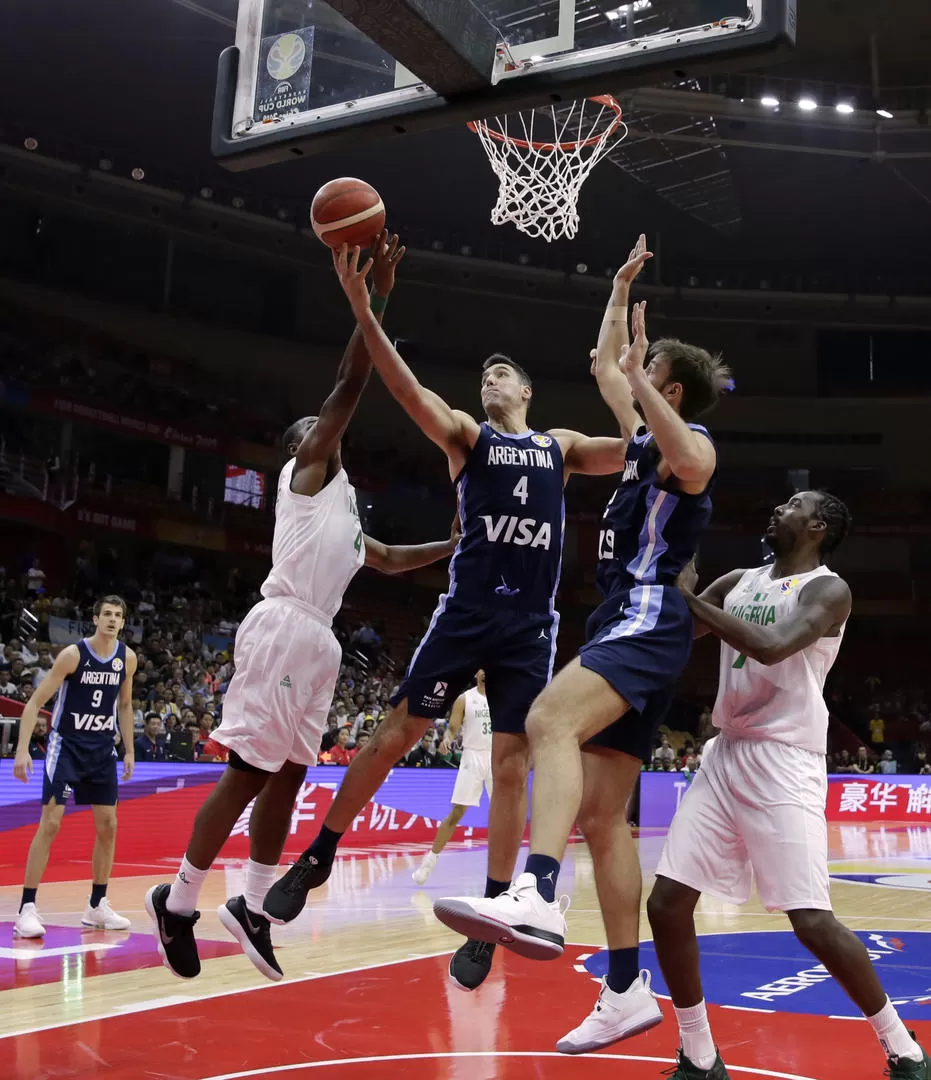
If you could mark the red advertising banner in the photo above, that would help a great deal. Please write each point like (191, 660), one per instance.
(902, 799)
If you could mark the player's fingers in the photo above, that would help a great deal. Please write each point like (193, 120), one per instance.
(369, 263)
(399, 254)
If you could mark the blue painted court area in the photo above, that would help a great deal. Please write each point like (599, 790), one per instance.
(773, 972)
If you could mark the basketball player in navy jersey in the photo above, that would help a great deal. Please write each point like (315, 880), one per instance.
(609, 700)
(498, 613)
(93, 680)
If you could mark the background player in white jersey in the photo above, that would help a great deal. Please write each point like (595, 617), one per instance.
(472, 716)
(92, 681)
(756, 808)
(287, 661)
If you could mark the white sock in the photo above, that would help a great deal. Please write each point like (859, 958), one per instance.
(259, 879)
(894, 1039)
(430, 857)
(185, 889)
(697, 1040)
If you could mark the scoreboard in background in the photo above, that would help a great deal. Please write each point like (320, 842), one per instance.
(245, 487)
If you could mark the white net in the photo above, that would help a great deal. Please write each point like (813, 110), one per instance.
(543, 156)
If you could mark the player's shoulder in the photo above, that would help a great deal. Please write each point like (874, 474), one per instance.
(828, 588)
(69, 657)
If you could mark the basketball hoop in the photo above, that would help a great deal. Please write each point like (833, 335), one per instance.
(543, 156)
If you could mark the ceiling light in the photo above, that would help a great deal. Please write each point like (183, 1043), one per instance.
(884, 113)
(138, 174)
(807, 104)
(581, 268)
(770, 102)
(206, 193)
(844, 107)
(31, 143)
(238, 202)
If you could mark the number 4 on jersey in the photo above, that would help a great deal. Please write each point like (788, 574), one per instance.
(520, 491)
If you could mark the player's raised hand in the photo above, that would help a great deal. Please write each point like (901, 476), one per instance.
(352, 277)
(22, 767)
(635, 260)
(387, 252)
(634, 356)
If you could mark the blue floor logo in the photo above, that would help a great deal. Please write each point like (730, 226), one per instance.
(773, 972)
(889, 881)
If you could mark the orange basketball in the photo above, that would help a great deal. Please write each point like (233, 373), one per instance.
(347, 211)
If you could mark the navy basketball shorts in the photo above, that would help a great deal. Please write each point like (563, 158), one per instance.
(639, 642)
(90, 777)
(516, 649)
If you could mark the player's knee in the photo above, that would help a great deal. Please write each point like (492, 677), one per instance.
(106, 826)
(49, 826)
(397, 733)
(811, 926)
(542, 723)
(668, 904)
(510, 771)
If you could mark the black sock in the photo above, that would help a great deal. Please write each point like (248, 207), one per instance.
(623, 968)
(324, 847)
(29, 897)
(98, 892)
(546, 871)
(495, 888)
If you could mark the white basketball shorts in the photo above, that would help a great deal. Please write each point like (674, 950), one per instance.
(287, 665)
(755, 810)
(474, 774)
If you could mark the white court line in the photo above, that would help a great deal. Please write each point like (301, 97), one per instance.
(163, 1003)
(19, 953)
(591, 1058)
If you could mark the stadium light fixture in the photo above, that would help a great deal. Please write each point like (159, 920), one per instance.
(769, 102)
(844, 107)
(807, 104)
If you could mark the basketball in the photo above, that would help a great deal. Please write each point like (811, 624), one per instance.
(347, 211)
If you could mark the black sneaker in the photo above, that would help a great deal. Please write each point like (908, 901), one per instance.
(470, 964)
(285, 900)
(906, 1069)
(685, 1070)
(254, 934)
(174, 933)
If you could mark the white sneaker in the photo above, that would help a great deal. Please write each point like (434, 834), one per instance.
(425, 869)
(103, 917)
(519, 919)
(615, 1017)
(28, 924)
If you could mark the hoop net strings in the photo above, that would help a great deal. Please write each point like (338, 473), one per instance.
(538, 187)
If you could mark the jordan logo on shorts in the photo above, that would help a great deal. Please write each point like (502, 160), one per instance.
(286, 682)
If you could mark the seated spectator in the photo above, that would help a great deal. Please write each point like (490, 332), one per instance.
(664, 752)
(361, 741)
(843, 763)
(30, 652)
(340, 754)
(42, 668)
(211, 750)
(8, 688)
(150, 746)
(424, 755)
(863, 764)
(38, 744)
(888, 764)
(921, 759)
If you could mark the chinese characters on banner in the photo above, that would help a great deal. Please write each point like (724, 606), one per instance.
(905, 799)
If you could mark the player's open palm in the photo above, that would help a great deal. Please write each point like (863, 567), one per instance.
(22, 767)
(387, 252)
(635, 260)
(352, 277)
(634, 355)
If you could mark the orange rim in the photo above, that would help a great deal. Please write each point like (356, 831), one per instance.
(602, 99)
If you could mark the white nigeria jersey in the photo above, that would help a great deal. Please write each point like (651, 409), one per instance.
(783, 702)
(318, 545)
(476, 722)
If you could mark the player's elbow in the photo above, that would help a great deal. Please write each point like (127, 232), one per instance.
(768, 655)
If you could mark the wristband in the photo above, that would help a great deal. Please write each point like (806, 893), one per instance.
(378, 303)
(616, 313)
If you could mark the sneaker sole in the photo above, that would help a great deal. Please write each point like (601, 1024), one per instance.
(28, 937)
(533, 945)
(565, 1047)
(153, 915)
(97, 926)
(232, 924)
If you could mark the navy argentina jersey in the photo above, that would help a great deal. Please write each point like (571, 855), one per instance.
(81, 753)
(499, 611)
(512, 512)
(640, 638)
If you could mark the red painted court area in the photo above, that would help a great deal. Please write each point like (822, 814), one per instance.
(406, 1020)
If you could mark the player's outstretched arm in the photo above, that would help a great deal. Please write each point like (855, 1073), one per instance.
(321, 442)
(66, 663)
(823, 606)
(453, 431)
(613, 338)
(590, 455)
(397, 558)
(689, 455)
(124, 712)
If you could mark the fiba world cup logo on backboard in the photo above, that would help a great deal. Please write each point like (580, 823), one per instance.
(285, 56)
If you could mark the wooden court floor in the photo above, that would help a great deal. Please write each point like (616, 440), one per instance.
(366, 993)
